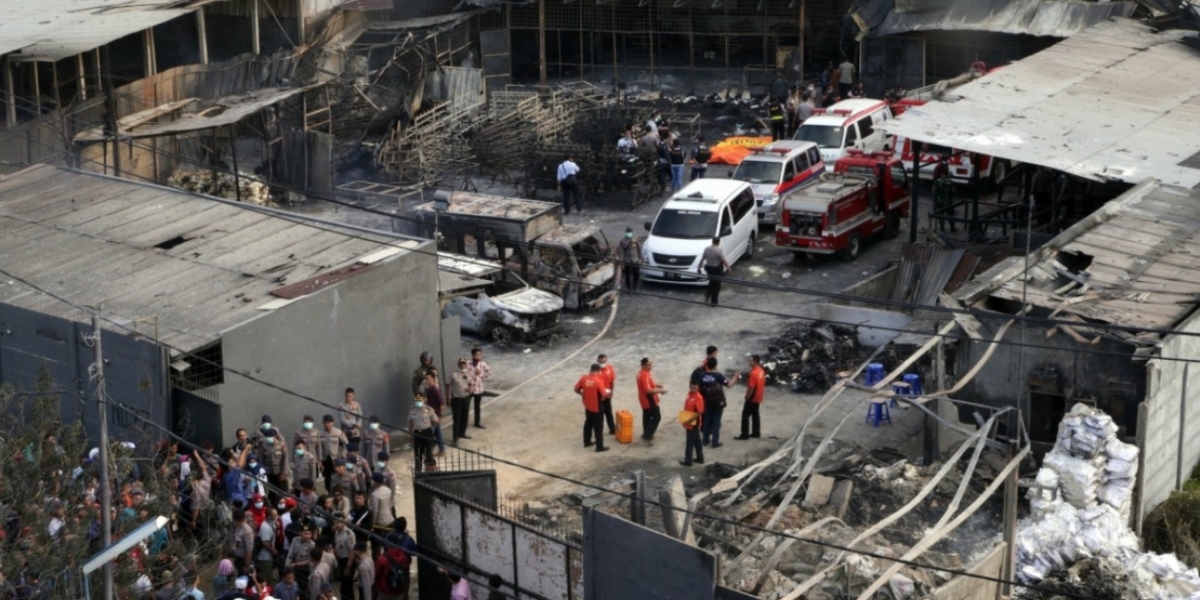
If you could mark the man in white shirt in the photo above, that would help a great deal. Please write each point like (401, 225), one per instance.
(845, 77)
(568, 182)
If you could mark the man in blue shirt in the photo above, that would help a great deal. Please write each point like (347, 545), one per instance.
(568, 182)
(712, 385)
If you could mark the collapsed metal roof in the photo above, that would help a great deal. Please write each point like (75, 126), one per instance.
(1053, 18)
(51, 30)
(1117, 102)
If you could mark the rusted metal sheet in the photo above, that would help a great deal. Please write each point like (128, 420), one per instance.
(489, 545)
(322, 281)
(463, 87)
(542, 565)
(448, 523)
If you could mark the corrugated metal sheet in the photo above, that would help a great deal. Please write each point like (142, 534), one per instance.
(1055, 18)
(56, 29)
(464, 87)
(1084, 106)
(199, 266)
(926, 270)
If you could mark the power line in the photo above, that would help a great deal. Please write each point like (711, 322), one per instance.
(747, 283)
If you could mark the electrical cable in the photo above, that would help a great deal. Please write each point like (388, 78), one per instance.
(704, 515)
(1044, 321)
(599, 488)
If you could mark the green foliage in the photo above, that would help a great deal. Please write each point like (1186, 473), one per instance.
(1174, 526)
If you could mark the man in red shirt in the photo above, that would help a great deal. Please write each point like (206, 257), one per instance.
(608, 376)
(591, 388)
(755, 384)
(648, 392)
(694, 403)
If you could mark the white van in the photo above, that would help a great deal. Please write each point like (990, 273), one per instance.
(778, 169)
(847, 124)
(687, 224)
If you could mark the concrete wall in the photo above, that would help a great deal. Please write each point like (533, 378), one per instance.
(1168, 453)
(1080, 373)
(366, 332)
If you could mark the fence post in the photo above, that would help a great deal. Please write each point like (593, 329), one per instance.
(637, 508)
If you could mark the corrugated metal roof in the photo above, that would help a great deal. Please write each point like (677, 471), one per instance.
(56, 29)
(221, 112)
(1132, 262)
(197, 265)
(1118, 101)
(1055, 18)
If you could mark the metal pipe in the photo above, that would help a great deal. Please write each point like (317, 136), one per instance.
(202, 35)
(914, 222)
(255, 35)
(82, 76)
(105, 481)
(542, 42)
(10, 97)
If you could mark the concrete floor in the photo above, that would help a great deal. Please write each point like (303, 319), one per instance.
(540, 424)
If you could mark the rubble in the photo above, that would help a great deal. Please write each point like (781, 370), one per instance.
(811, 357)
(221, 185)
(1078, 535)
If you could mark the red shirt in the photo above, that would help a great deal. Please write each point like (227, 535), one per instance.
(694, 403)
(645, 383)
(592, 388)
(608, 376)
(756, 381)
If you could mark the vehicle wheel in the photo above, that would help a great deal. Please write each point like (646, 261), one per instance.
(892, 229)
(853, 247)
(500, 335)
(999, 172)
(750, 247)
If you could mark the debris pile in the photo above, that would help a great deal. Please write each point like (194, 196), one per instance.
(221, 185)
(1081, 506)
(811, 357)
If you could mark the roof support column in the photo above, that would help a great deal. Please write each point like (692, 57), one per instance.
(202, 35)
(82, 76)
(299, 22)
(10, 98)
(148, 47)
(37, 88)
(255, 39)
(542, 42)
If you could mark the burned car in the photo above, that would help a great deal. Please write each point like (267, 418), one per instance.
(574, 263)
(492, 303)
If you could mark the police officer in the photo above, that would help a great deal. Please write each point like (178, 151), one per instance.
(701, 154)
(775, 112)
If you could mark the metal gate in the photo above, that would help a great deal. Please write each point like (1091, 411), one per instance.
(496, 47)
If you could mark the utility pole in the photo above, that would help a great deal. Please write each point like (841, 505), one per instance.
(110, 112)
(105, 480)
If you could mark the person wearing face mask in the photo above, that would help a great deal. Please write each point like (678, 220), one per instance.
(628, 253)
(308, 433)
(362, 467)
(258, 475)
(267, 544)
(330, 448)
(274, 453)
(257, 511)
(374, 439)
(344, 478)
(460, 401)
(389, 476)
(421, 419)
(304, 465)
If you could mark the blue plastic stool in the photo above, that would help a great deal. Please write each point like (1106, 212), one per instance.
(874, 373)
(914, 384)
(898, 389)
(877, 411)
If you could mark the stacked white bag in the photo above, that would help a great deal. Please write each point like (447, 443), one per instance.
(1081, 509)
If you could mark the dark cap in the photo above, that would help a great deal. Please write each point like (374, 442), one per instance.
(266, 418)
(308, 418)
(360, 546)
(339, 515)
(377, 477)
(352, 447)
(426, 356)
(383, 455)
(272, 432)
(374, 419)
(628, 230)
(326, 588)
(327, 418)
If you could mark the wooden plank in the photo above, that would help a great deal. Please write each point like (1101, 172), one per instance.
(839, 500)
(969, 324)
(819, 489)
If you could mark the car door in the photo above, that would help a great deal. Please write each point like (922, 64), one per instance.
(745, 220)
(851, 137)
(729, 240)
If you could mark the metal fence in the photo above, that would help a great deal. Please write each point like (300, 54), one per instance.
(461, 520)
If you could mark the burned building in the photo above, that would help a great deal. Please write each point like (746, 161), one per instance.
(203, 298)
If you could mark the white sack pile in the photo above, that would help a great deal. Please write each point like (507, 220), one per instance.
(1083, 511)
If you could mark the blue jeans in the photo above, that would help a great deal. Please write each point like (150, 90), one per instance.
(712, 426)
(699, 172)
(437, 434)
(676, 178)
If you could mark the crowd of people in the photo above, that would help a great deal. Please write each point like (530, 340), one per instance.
(702, 409)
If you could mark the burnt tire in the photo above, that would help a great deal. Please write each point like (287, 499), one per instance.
(892, 228)
(502, 336)
(853, 248)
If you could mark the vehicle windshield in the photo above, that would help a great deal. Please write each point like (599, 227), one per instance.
(824, 136)
(685, 224)
(758, 171)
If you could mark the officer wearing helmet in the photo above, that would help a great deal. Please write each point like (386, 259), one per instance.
(418, 380)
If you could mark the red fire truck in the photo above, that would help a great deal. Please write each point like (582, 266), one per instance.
(866, 194)
(961, 166)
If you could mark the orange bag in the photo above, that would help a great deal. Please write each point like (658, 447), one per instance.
(624, 426)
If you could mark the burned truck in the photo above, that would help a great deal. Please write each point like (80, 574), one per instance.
(492, 303)
(528, 237)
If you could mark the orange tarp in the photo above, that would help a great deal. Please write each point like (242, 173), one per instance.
(731, 150)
